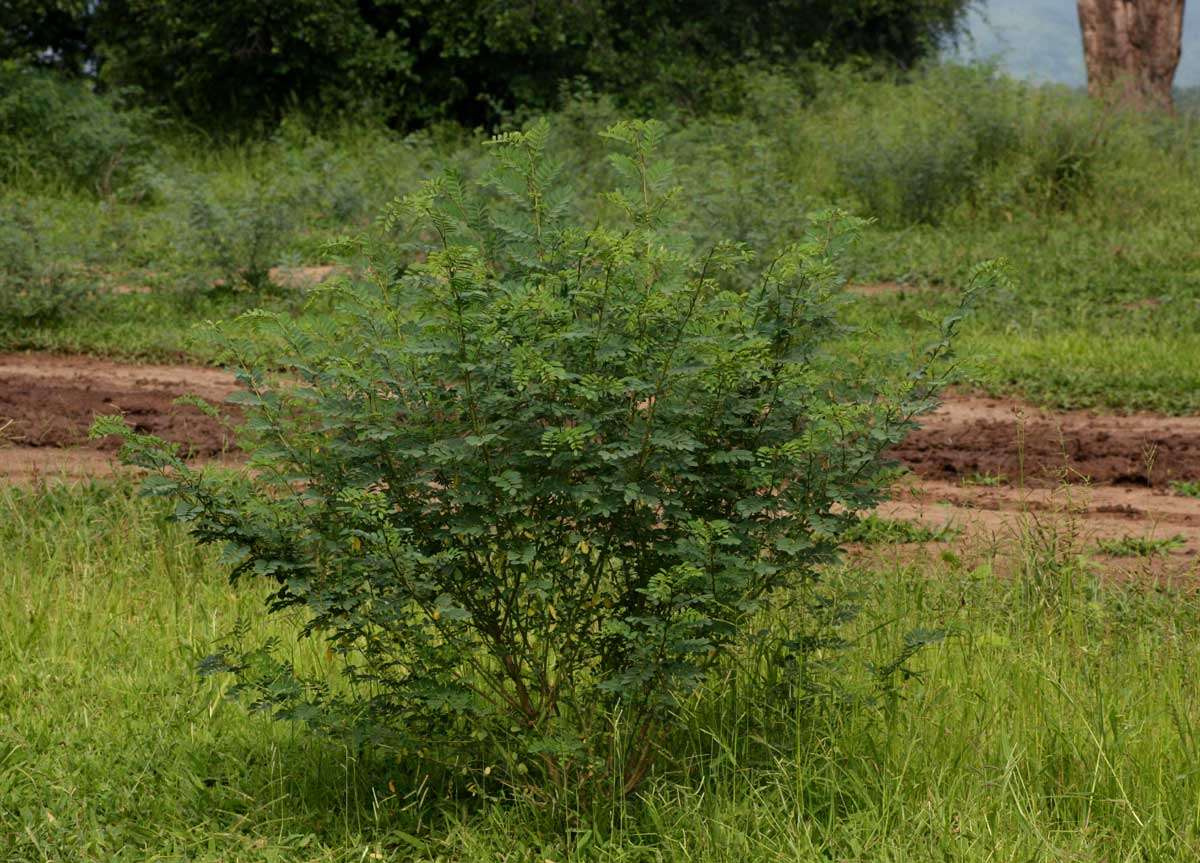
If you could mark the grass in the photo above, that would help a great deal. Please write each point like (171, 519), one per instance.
(1186, 488)
(1139, 546)
(1057, 721)
(875, 530)
(987, 479)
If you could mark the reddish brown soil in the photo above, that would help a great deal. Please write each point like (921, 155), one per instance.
(1009, 475)
(48, 403)
(969, 438)
(994, 468)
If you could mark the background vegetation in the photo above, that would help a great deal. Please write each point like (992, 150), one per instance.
(160, 169)
(1092, 209)
(412, 61)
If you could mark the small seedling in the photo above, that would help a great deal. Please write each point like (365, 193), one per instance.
(1139, 546)
(873, 530)
(1187, 488)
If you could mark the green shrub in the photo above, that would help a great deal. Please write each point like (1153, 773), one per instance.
(1140, 546)
(875, 530)
(233, 244)
(909, 173)
(532, 484)
(1187, 488)
(56, 132)
(321, 175)
(32, 290)
(915, 150)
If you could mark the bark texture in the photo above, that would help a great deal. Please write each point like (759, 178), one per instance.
(1132, 49)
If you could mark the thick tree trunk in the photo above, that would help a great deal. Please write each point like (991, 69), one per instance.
(1132, 48)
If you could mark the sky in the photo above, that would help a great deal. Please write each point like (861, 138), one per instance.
(1040, 39)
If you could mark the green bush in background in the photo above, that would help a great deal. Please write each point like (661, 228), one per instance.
(56, 133)
(245, 63)
(33, 288)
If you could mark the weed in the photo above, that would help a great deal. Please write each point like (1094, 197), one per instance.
(1139, 546)
(875, 530)
(985, 479)
(1186, 488)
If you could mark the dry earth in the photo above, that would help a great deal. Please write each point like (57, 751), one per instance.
(48, 403)
(991, 467)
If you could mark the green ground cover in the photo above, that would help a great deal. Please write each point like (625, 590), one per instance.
(1057, 721)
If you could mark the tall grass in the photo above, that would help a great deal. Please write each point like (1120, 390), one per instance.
(1058, 721)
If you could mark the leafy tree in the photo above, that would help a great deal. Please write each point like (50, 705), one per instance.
(48, 33)
(61, 131)
(248, 61)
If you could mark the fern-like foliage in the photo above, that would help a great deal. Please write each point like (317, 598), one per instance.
(531, 483)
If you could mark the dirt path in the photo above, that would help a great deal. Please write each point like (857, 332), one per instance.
(48, 403)
(997, 440)
(1078, 519)
(987, 466)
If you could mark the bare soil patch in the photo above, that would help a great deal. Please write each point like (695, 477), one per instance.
(1008, 474)
(1081, 517)
(48, 403)
(991, 467)
(986, 439)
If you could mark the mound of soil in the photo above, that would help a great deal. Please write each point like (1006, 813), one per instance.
(985, 439)
(50, 402)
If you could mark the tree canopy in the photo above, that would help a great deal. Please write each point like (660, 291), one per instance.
(422, 60)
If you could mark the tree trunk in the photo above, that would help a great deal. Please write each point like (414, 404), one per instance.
(1132, 48)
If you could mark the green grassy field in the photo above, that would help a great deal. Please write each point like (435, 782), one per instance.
(1058, 721)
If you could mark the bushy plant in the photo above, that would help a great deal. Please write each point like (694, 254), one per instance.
(909, 173)
(1061, 158)
(60, 132)
(532, 480)
(914, 150)
(32, 289)
(232, 244)
(321, 175)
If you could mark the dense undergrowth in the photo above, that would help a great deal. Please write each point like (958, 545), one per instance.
(1094, 210)
(1056, 722)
